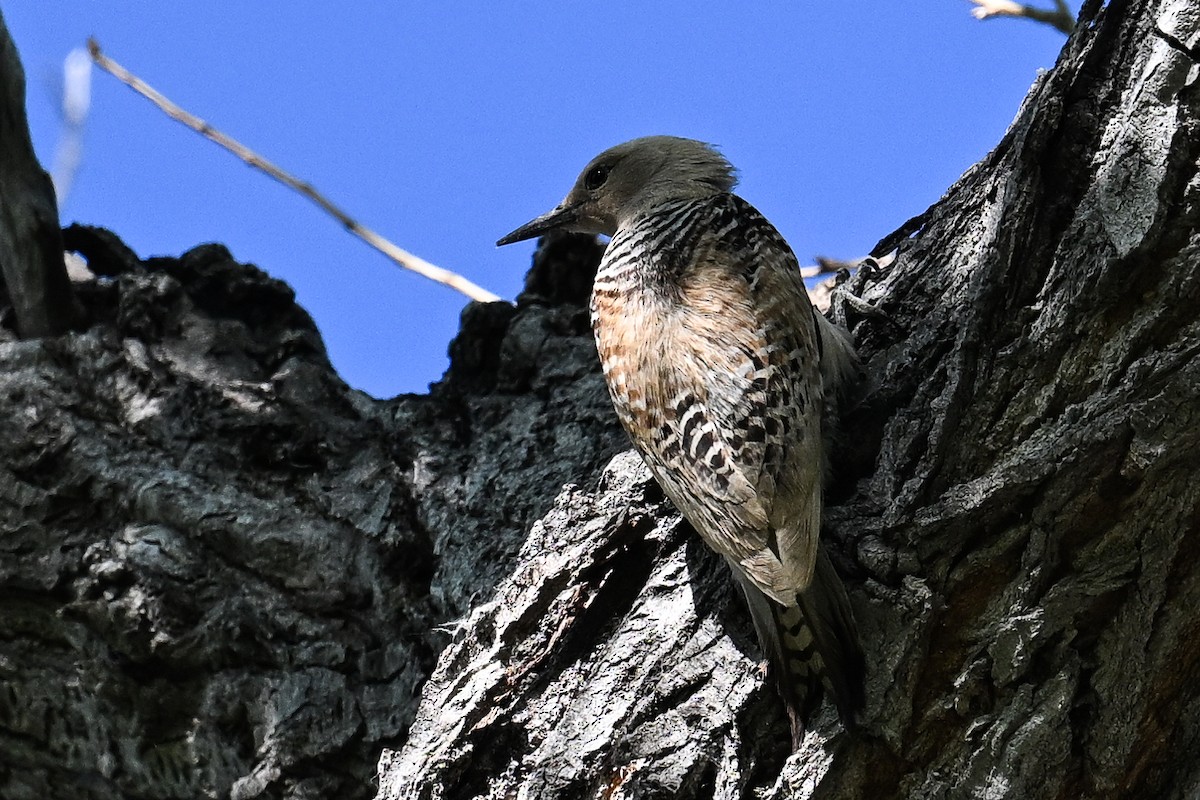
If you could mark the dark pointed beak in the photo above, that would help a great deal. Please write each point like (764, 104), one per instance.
(555, 218)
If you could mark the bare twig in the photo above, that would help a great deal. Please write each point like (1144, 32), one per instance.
(829, 266)
(1061, 17)
(401, 257)
(821, 294)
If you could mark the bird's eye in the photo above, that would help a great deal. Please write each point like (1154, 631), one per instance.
(596, 177)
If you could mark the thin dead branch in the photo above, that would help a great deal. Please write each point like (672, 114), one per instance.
(1061, 17)
(821, 295)
(401, 257)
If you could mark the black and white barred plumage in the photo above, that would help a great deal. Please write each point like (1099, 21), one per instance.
(720, 370)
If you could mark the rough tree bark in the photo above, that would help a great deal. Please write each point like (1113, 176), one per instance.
(225, 574)
(31, 253)
(1018, 519)
(221, 570)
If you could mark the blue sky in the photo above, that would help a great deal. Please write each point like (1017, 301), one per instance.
(444, 126)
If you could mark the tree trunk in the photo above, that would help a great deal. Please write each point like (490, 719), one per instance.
(225, 574)
(1016, 515)
(31, 252)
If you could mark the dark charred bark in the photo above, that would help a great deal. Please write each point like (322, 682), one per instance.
(223, 573)
(31, 252)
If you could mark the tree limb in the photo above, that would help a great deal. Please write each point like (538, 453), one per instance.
(31, 253)
(1061, 17)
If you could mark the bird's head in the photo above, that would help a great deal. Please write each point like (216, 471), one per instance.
(630, 178)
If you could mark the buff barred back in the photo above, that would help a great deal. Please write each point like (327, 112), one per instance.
(723, 375)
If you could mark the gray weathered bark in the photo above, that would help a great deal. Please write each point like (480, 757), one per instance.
(224, 573)
(31, 253)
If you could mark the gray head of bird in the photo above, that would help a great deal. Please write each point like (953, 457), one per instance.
(629, 179)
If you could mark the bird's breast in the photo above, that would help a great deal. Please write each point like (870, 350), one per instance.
(631, 327)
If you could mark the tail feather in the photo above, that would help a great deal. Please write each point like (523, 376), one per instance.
(826, 610)
(812, 647)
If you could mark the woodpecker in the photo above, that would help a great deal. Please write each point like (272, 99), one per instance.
(725, 378)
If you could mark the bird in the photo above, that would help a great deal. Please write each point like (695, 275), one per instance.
(727, 381)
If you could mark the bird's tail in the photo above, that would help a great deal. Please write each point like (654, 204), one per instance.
(812, 647)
